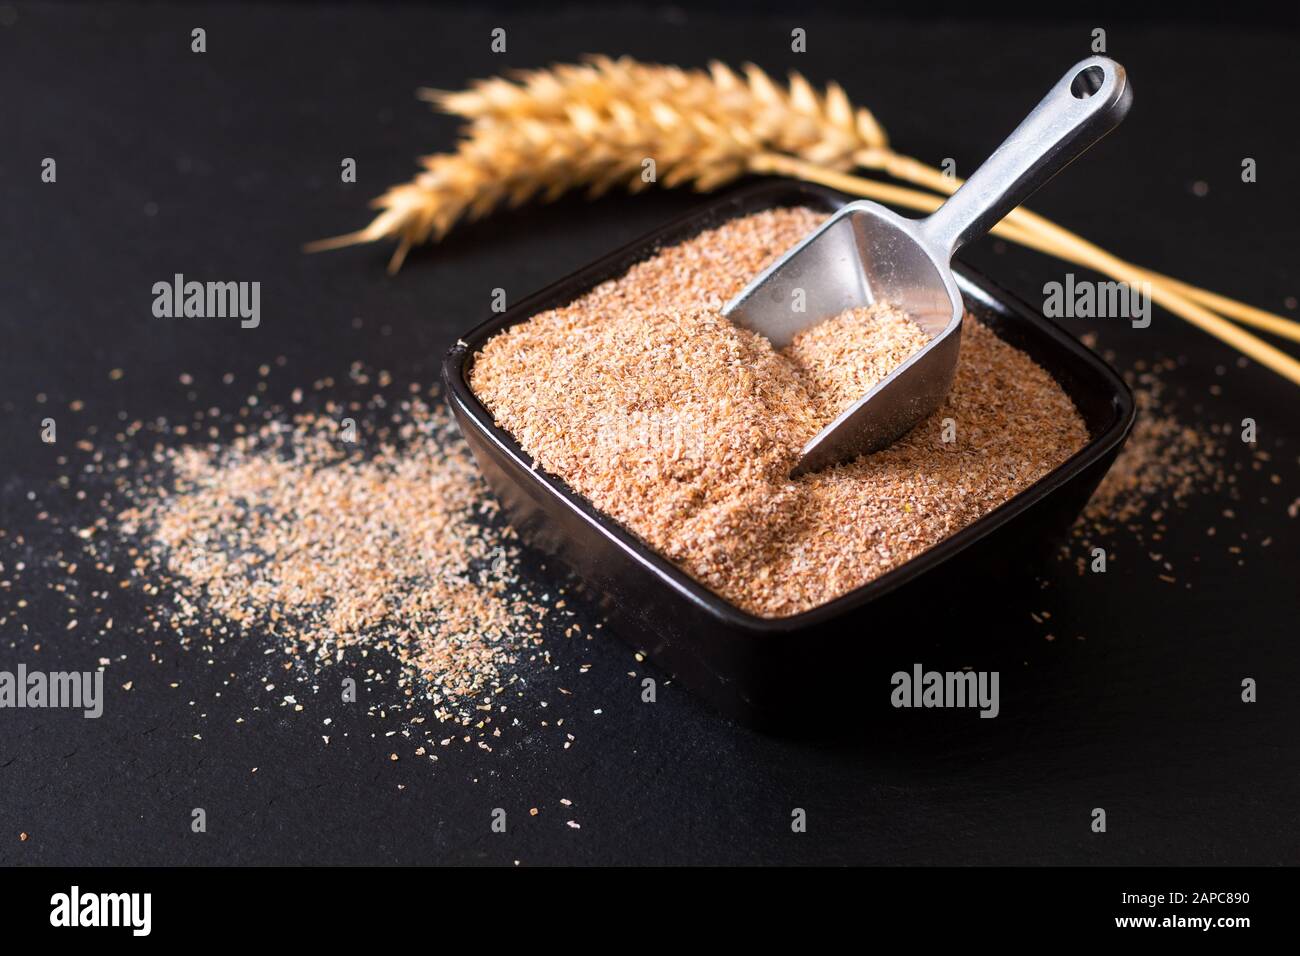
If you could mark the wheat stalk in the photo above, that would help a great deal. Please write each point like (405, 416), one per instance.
(541, 133)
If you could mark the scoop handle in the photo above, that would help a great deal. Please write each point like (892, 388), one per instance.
(1088, 102)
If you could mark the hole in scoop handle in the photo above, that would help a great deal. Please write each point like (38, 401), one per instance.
(1089, 101)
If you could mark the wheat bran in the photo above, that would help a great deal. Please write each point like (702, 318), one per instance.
(683, 427)
(339, 547)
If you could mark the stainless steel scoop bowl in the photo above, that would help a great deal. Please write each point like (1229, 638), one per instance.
(865, 253)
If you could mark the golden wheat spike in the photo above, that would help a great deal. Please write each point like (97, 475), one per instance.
(593, 124)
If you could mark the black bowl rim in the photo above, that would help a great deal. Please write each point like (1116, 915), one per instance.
(745, 200)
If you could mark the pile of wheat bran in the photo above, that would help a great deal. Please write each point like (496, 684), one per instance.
(683, 427)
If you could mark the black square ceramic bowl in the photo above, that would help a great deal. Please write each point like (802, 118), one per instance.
(756, 668)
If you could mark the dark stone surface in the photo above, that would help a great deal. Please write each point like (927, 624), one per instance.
(222, 165)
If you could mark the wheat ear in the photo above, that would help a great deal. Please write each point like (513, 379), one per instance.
(597, 124)
(541, 133)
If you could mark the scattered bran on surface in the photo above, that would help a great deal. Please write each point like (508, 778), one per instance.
(337, 547)
(346, 535)
(1163, 462)
(683, 427)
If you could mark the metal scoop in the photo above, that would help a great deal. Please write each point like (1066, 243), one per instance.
(865, 253)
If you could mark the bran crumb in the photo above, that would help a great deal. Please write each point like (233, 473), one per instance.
(684, 427)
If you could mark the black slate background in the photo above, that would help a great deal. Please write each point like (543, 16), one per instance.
(221, 165)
